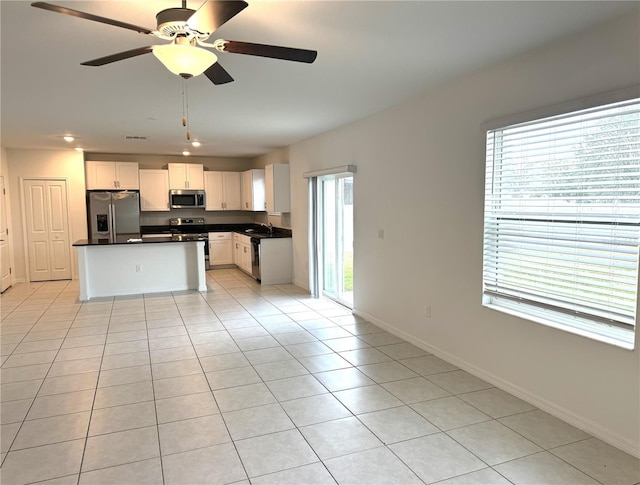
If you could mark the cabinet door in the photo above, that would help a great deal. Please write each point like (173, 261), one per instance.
(231, 190)
(278, 191)
(127, 175)
(237, 253)
(214, 191)
(247, 192)
(220, 251)
(154, 190)
(195, 176)
(246, 257)
(177, 176)
(100, 175)
(253, 190)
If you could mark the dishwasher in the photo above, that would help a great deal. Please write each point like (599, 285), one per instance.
(255, 258)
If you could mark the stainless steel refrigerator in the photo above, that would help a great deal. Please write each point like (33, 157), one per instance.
(113, 214)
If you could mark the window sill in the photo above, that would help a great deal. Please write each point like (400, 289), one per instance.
(618, 337)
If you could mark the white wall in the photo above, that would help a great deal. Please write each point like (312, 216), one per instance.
(43, 164)
(420, 178)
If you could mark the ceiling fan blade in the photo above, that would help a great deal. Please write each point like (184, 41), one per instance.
(119, 56)
(217, 74)
(213, 13)
(273, 51)
(89, 16)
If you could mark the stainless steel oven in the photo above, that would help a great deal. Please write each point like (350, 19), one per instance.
(183, 229)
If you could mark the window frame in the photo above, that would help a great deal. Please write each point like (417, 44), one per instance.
(621, 336)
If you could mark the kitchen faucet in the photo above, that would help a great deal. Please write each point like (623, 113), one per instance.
(269, 227)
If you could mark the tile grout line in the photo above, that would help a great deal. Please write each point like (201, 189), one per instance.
(95, 394)
(43, 380)
(296, 427)
(153, 391)
(250, 298)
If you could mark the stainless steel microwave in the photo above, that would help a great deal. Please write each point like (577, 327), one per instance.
(187, 199)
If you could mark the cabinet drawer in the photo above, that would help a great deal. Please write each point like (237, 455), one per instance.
(241, 238)
(217, 236)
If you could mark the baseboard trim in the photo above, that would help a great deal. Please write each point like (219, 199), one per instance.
(559, 412)
(304, 286)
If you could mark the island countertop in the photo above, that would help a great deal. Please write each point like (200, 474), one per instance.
(107, 269)
(123, 239)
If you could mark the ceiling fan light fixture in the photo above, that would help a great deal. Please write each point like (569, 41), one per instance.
(184, 60)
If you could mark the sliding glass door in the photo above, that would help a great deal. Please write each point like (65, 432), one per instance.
(335, 231)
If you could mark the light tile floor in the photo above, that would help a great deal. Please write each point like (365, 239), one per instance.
(258, 384)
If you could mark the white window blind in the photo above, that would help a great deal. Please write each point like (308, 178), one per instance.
(562, 219)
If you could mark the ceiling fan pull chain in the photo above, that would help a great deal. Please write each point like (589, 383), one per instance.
(184, 116)
(185, 109)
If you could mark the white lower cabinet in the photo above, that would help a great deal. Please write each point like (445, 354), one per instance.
(221, 247)
(242, 252)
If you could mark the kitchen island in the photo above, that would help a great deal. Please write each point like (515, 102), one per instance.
(132, 265)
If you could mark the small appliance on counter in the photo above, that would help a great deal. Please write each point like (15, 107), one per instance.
(112, 214)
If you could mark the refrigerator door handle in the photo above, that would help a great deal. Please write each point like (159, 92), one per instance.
(112, 224)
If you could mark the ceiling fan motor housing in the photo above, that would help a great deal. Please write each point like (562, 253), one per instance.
(173, 21)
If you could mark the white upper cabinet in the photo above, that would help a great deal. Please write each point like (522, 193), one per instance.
(112, 175)
(223, 191)
(154, 190)
(253, 190)
(232, 188)
(278, 188)
(186, 176)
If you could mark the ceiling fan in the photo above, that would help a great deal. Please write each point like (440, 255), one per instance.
(187, 30)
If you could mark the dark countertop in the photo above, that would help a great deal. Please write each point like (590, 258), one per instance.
(255, 230)
(125, 239)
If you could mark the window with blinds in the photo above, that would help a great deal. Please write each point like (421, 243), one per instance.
(562, 221)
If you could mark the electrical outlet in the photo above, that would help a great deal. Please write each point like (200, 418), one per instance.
(138, 268)
(380, 233)
(427, 311)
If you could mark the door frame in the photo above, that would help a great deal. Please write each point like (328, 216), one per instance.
(338, 248)
(314, 243)
(25, 241)
(9, 240)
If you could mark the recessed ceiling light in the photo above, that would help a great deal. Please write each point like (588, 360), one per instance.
(79, 149)
(186, 153)
(196, 144)
(68, 138)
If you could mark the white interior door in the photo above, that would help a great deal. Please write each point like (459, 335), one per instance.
(48, 240)
(5, 260)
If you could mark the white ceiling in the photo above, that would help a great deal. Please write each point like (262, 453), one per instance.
(371, 55)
